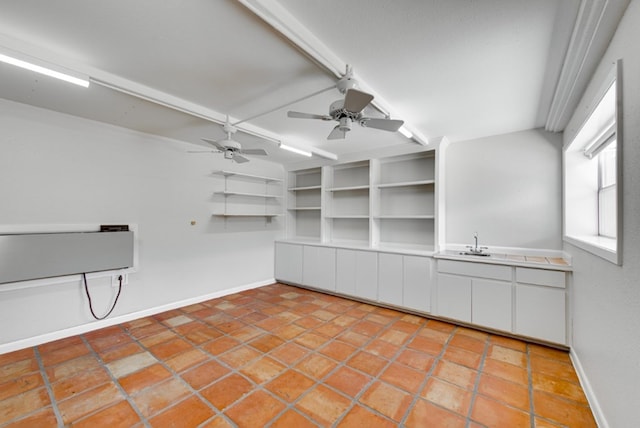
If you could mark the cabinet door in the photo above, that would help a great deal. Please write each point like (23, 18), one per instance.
(319, 267)
(417, 283)
(390, 278)
(346, 271)
(367, 274)
(454, 297)
(288, 263)
(491, 304)
(540, 312)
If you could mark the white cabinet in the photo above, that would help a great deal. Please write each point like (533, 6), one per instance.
(357, 273)
(541, 304)
(390, 279)
(319, 267)
(405, 281)
(288, 262)
(491, 303)
(454, 297)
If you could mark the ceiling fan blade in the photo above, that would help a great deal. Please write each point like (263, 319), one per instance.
(213, 143)
(384, 124)
(239, 159)
(259, 152)
(300, 115)
(203, 151)
(337, 134)
(356, 101)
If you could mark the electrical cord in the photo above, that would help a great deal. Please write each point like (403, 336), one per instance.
(86, 289)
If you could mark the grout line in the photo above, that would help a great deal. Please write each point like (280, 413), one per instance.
(47, 384)
(476, 386)
(530, 381)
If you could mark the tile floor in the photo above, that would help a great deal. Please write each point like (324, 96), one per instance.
(281, 356)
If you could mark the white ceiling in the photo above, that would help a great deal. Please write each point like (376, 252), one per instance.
(458, 68)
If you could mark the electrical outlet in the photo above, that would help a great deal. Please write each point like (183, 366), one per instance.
(115, 281)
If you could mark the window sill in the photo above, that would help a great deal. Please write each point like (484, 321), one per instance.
(600, 246)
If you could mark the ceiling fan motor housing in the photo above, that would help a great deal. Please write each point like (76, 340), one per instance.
(338, 112)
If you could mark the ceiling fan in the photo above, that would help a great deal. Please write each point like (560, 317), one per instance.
(231, 148)
(349, 110)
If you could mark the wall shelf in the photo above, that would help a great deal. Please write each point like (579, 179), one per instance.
(245, 215)
(406, 216)
(248, 195)
(242, 174)
(253, 195)
(300, 189)
(305, 208)
(406, 184)
(347, 188)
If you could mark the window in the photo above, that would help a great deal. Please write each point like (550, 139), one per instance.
(592, 194)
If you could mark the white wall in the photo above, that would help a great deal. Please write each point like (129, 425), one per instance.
(606, 297)
(507, 188)
(57, 169)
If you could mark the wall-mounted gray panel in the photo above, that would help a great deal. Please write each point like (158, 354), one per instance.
(44, 255)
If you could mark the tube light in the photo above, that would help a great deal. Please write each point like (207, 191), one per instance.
(44, 70)
(404, 131)
(295, 150)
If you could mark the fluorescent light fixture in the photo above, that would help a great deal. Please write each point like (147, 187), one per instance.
(44, 70)
(295, 150)
(404, 131)
(324, 154)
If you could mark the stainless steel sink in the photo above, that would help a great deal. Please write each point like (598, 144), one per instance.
(473, 253)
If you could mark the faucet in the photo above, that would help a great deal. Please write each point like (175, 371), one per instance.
(475, 249)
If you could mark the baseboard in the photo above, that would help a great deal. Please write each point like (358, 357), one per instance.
(588, 390)
(85, 328)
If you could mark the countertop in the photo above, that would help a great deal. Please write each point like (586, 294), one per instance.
(540, 262)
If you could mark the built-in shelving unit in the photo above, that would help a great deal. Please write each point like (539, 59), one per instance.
(248, 195)
(379, 203)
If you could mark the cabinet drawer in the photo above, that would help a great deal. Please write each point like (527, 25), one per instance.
(549, 278)
(480, 270)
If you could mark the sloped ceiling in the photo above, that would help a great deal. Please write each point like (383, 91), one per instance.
(459, 68)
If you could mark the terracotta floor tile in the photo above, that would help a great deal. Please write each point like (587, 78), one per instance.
(118, 415)
(188, 413)
(177, 321)
(416, 359)
(434, 335)
(290, 419)
(348, 381)
(262, 370)
(149, 376)
(79, 383)
(330, 329)
(221, 345)
(507, 392)
(470, 332)
(218, 422)
(444, 327)
(187, 359)
(447, 395)
(288, 316)
(266, 343)
(462, 357)
(120, 352)
(388, 400)
(344, 320)
(337, 350)
(309, 322)
(468, 343)
(288, 332)
(396, 337)
(379, 319)
(408, 326)
(20, 385)
(324, 315)
(368, 363)
(60, 344)
(553, 368)
(358, 416)
(507, 355)
(290, 385)
(240, 356)
(164, 335)
(88, 402)
(381, 348)
(63, 354)
(131, 364)
(161, 395)
(316, 366)
(227, 391)
(72, 367)
(170, 348)
(290, 353)
(562, 411)
(246, 333)
(403, 377)
(42, 418)
(323, 405)
(17, 356)
(255, 410)
(116, 339)
(367, 328)
(23, 404)
(506, 371)
(551, 353)
(355, 339)
(311, 340)
(560, 387)
(151, 329)
(204, 374)
(541, 423)
(270, 324)
(494, 414)
(425, 414)
(423, 344)
(456, 374)
(508, 342)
